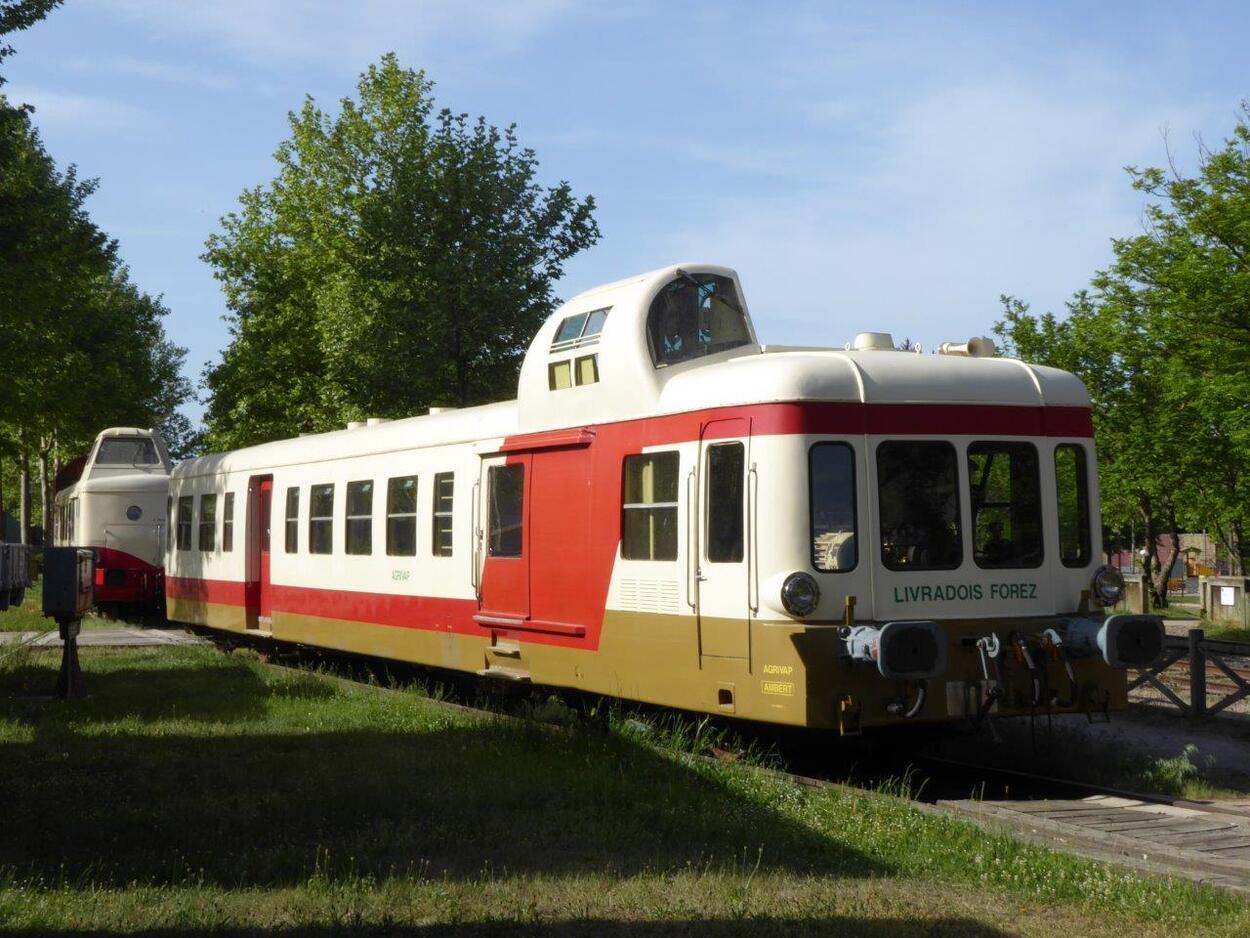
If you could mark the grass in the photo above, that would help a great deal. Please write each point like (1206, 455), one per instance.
(28, 617)
(195, 792)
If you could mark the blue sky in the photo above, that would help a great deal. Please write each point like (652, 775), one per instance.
(873, 166)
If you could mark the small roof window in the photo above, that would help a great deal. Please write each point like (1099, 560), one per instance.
(582, 329)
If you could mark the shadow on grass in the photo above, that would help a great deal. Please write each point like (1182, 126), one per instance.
(849, 926)
(469, 802)
(206, 692)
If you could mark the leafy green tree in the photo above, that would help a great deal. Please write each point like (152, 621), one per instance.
(1188, 276)
(81, 346)
(401, 257)
(1162, 341)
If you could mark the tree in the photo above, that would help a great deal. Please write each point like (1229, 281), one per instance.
(400, 258)
(81, 346)
(1162, 341)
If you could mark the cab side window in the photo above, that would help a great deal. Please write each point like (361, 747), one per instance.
(649, 509)
(1072, 496)
(831, 483)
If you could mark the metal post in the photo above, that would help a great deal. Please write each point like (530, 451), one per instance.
(69, 681)
(1197, 675)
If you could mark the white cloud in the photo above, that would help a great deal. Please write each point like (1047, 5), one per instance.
(279, 32)
(69, 110)
(171, 73)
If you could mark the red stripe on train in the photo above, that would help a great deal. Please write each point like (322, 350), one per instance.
(433, 613)
(843, 418)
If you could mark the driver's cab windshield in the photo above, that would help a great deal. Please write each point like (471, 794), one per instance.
(127, 451)
(695, 315)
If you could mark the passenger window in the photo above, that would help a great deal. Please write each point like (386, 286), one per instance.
(1072, 495)
(506, 492)
(1006, 499)
(831, 485)
(292, 519)
(919, 497)
(321, 519)
(208, 522)
(227, 524)
(359, 538)
(186, 507)
(649, 522)
(725, 475)
(444, 493)
(695, 315)
(401, 516)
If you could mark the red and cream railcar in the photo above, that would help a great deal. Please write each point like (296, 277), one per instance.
(672, 512)
(118, 506)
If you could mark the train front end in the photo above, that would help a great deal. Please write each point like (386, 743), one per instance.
(119, 507)
(942, 561)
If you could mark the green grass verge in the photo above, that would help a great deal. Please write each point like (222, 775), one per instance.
(28, 617)
(195, 792)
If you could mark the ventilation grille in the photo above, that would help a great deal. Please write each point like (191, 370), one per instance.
(649, 595)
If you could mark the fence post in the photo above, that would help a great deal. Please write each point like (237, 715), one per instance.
(1197, 675)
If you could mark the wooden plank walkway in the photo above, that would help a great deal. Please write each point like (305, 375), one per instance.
(1210, 843)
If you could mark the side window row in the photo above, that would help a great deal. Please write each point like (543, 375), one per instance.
(185, 519)
(401, 517)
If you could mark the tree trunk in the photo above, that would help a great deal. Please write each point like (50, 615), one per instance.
(23, 506)
(1165, 570)
(1240, 549)
(45, 496)
(1151, 547)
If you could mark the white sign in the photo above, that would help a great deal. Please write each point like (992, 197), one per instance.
(1226, 595)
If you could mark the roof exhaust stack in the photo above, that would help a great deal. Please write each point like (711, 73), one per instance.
(977, 347)
(873, 342)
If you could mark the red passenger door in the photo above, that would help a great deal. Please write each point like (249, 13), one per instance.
(502, 540)
(259, 515)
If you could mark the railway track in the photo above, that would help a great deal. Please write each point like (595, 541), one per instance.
(1153, 834)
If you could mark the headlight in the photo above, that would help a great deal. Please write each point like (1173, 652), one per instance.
(1108, 586)
(800, 594)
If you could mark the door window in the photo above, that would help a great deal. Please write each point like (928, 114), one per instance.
(506, 486)
(725, 474)
(292, 519)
